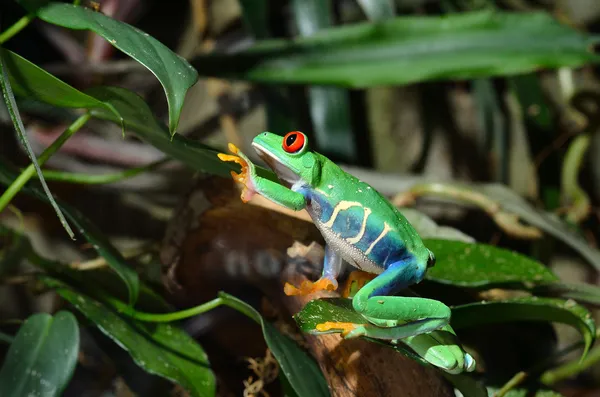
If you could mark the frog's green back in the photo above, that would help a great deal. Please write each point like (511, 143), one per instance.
(346, 201)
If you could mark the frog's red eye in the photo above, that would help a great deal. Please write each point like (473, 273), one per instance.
(293, 141)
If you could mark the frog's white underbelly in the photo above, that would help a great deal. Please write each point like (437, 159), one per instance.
(347, 251)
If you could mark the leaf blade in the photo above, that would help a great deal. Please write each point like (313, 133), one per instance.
(160, 349)
(175, 74)
(42, 357)
(400, 51)
(527, 309)
(481, 265)
(113, 257)
(300, 370)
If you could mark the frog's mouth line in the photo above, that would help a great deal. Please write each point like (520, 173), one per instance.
(283, 172)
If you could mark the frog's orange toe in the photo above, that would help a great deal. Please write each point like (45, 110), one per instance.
(307, 287)
(331, 325)
(244, 176)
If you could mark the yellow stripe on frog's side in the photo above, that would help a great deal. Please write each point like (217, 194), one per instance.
(341, 206)
(386, 229)
(363, 227)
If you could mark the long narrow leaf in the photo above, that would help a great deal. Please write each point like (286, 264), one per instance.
(173, 72)
(411, 49)
(13, 110)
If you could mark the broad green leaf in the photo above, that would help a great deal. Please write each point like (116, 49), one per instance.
(30, 81)
(174, 73)
(411, 49)
(546, 221)
(42, 357)
(328, 309)
(113, 257)
(481, 265)
(300, 370)
(527, 309)
(159, 348)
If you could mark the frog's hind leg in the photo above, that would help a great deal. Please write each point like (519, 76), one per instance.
(396, 317)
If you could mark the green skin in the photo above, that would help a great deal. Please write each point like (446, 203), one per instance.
(362, 228)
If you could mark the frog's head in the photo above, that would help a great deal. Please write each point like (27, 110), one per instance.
(289, 157)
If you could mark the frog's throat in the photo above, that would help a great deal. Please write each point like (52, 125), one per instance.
(283, 172)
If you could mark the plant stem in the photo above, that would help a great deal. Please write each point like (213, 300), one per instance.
(28, 173)
(578, 200)
(507, 221)
(223, 299)
(571, 368)
(511, 384)
(88, 179)
(16, 28)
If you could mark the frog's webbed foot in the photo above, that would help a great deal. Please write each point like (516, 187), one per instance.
(336, 325)
(360, 278)
(308, 287)
(244, 177)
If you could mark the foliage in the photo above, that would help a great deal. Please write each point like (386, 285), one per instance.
(329, 56)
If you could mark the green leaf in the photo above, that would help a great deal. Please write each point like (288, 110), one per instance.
(174, 73)
(527, 309)
(33, 82)
(138, 117)
(327, 309)
(481, 265)
(42, 357)
(300, 370)
(13, 110)
(119, 106)
(30, 81)
(400, 51)
(113, 257)
(550, 223)
(161, 349)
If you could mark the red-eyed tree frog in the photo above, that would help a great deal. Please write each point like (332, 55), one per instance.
(364, 229)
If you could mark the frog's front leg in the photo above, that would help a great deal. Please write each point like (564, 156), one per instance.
(332, 265)
(393, 317)
(254, 184)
